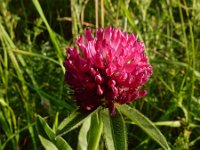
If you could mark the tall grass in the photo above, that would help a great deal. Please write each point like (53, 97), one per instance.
(33, 38)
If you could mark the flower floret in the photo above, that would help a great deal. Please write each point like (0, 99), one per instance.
(108, 68)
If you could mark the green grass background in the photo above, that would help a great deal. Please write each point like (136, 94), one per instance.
(33, 39)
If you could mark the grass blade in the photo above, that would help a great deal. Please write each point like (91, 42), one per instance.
(51, 33)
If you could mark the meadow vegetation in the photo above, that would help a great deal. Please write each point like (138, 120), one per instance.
(34, 36)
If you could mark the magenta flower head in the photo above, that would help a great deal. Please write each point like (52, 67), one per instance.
(107, 68)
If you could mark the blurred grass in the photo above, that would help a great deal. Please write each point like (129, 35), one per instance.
(33, 39)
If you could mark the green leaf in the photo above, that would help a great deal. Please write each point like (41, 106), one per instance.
(107, 130)
(48, 145)
(95, 131)
(114, 131)
(55, 124)
(144, 123)
(72, 121)
(82, 137)
(46, 131)
(62, 144)
(44, 128)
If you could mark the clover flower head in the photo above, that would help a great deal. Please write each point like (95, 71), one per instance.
(107, 68)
